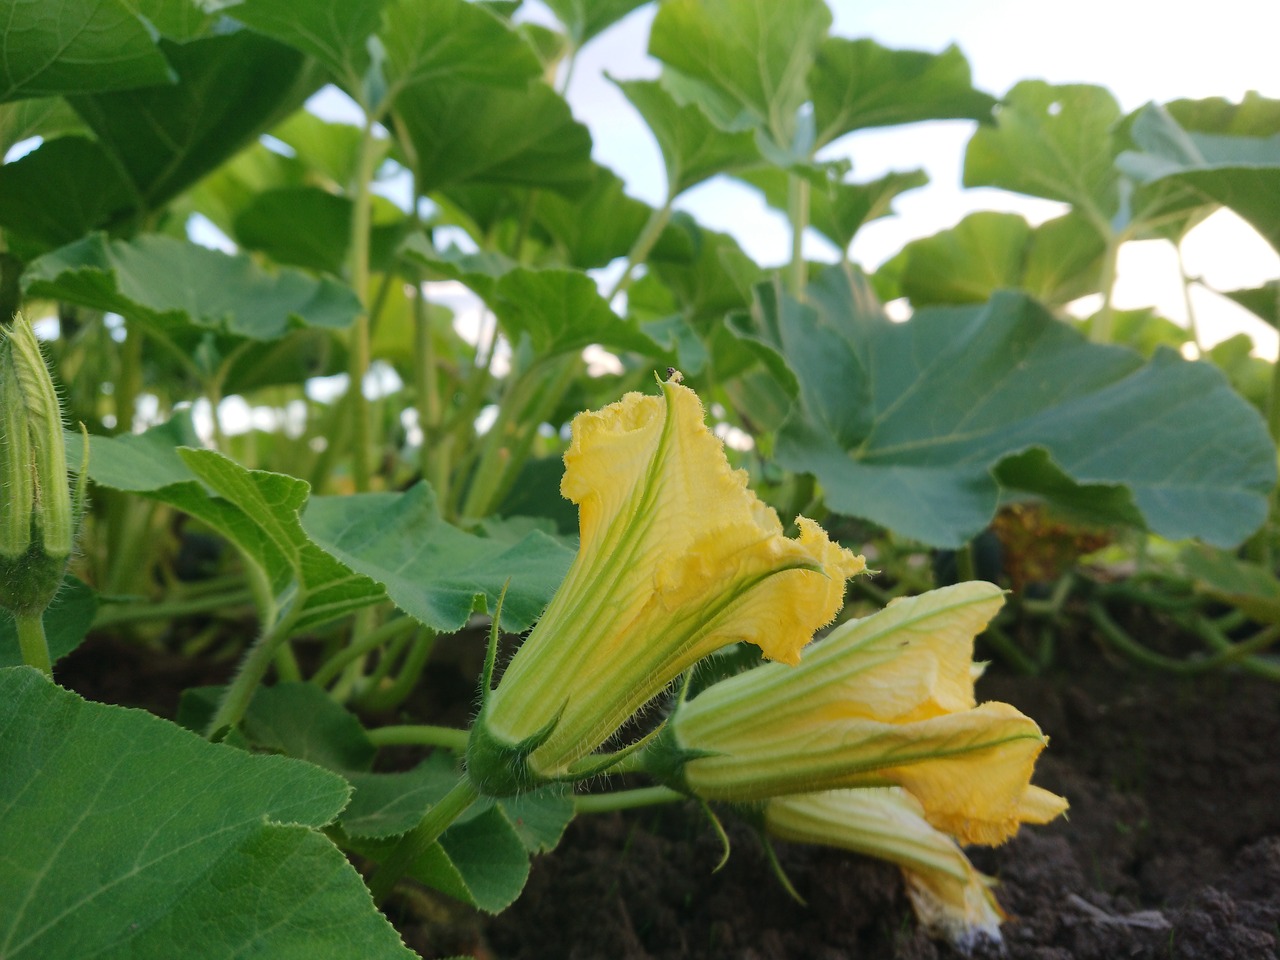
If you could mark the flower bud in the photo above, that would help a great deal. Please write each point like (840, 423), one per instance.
(886, 700)
(37, 516)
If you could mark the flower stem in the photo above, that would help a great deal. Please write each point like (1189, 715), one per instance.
(35, 649)
(419, 735)
(418, 840)
(625, 799)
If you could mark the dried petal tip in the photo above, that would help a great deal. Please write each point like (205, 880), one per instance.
(37, 517)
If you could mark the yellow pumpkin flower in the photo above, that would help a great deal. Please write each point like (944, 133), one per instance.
(951, 899)
(677, 559)
(886, 700)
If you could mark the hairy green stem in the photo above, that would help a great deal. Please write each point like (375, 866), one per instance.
(798, 214)
(112, 614)
(377, 698)
(418, 841)
(31, 639)
(1103, 330)
(361, 217)
(420, 735)
(235, 699)
(641, 247)
(387, 632)
(625, 799)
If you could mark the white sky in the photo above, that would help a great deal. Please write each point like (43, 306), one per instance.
(1140, 50)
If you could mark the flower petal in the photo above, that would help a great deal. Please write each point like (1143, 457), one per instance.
(951, 898)
(677, 559)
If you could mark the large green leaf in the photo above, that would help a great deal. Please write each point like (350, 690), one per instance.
(123, 835)
(1263, 301)
(452, 41)
(717, 278)
(858, 84)
(482, 860)
(66, 621)
(1239, 172)
(747, 57)
(432, 570)
(907, 424)
(45, 117)
(232, 87)
(1056, 262)
(595, 228)
(463, 132)
(584, 19)
(332, 31)
(171, 284)
(60, 191)
(693, 148)
(81, 46)
(560, 311)
(256, 510)
(1053, 142)
(301, 720)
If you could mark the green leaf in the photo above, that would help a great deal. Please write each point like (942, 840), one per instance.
(171, 284)
(837, 209)
(754, 57)
(301, 226)
(540, 817)
(479, 271)
(432, 570)
(124, 834)
(1228, 579)
(1053, 142)
(717, 279)
(80, 47)
(1263, 302)
(332, 31)
(451, 42)
(585, 19)
(138, 462)
(259, 512)
(60, 191)
(232, 87)
(391, 804)
(66, 621)
(859, 84)
(593, 229)
(466, 133)
(904, 424)
(693, 148)
(330, 149)
(560, 311)
(255, 510)
(1254, 116)
(300, 720)
(310, 227)
(47, 117)
(1242, 173)
(482, 859)
(1056, 262)
(229, 190)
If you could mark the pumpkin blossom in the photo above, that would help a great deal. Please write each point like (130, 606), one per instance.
(677, 559)
(951, 898)
(885, 700)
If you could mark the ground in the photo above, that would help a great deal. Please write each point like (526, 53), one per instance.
(1172, 848)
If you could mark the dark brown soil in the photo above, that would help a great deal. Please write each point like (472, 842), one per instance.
(1172, 849)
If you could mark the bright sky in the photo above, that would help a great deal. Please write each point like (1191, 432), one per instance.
(1141, 51)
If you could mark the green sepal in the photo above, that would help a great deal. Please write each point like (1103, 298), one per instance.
(498, 768)
(664, 759)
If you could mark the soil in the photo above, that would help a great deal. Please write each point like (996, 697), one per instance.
(1171, 849)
